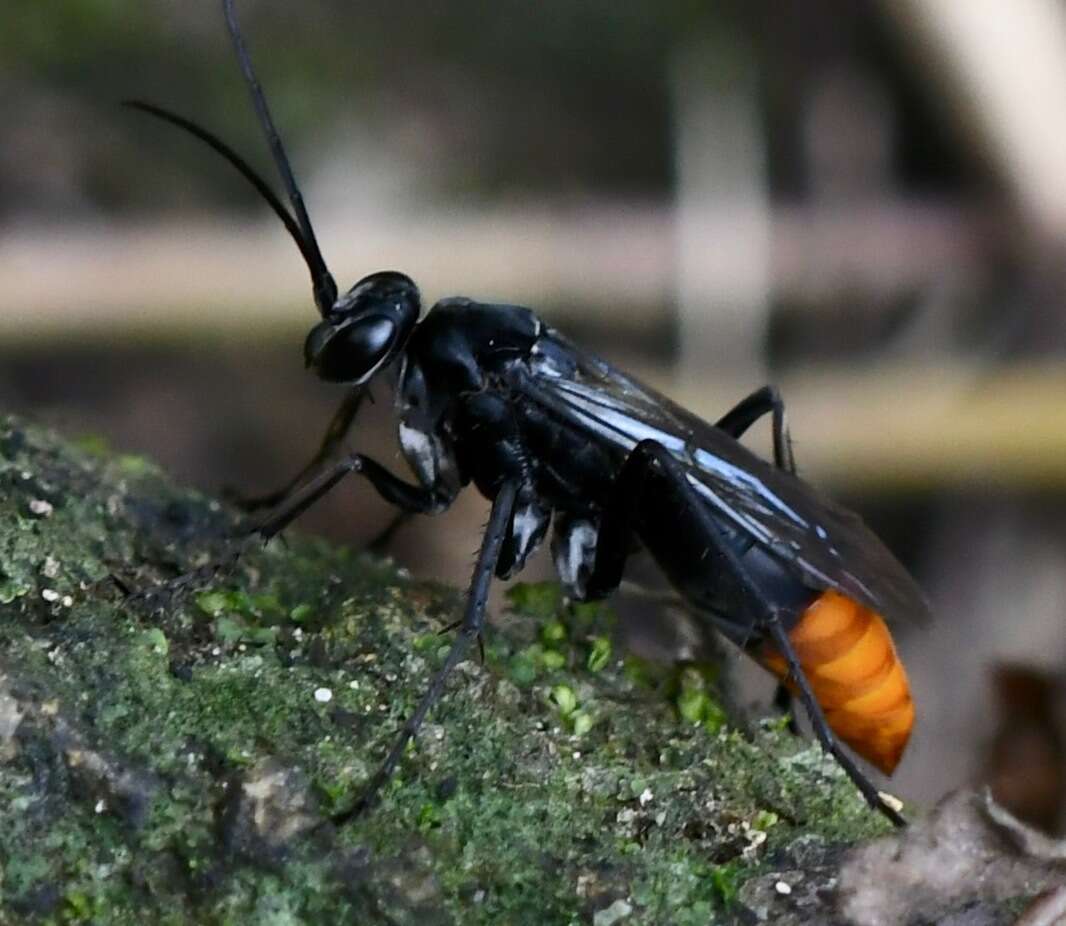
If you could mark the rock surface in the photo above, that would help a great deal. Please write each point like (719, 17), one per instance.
(181, 761)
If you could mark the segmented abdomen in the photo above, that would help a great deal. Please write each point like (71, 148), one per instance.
(849, 659)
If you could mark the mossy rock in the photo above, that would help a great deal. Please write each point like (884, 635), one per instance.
(182, 761)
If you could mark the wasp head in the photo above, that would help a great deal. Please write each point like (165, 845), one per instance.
(365, 329)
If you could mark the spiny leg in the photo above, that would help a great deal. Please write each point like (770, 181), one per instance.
(747, 411)
(615, 528)
(649, 454)
(615, 538)
(472, 623)
(821, 727)
(612, 550)
(735, 422)
(339, 425)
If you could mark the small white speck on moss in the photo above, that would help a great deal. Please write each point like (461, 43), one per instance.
(645, 797)
(101, 806)
(50, 595)
(40, 507)
(615, 913)
(783, 887)
(323, 695)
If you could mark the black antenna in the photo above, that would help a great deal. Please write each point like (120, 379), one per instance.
(246, 171)
(325, 289)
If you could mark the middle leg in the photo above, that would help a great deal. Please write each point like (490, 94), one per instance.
(735, 423)
(470, 628)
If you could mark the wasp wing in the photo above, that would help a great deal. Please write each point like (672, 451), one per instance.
(826, 545)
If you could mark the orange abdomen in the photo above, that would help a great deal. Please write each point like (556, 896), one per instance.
(850, 661)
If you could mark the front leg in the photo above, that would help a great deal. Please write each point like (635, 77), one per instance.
(339, 425)
(405, 496)
(410, 499)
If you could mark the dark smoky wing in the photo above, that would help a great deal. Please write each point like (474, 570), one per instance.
(828, 546)
(614, 405)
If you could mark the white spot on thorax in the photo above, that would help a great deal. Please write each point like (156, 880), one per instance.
(573, 560)
(527, 522)
(418, 448)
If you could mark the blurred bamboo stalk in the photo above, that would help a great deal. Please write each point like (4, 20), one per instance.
(723, 210)
(187, 278)
(1002, 66)
(608, 263)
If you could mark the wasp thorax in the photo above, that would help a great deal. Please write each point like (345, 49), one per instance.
(365, 329)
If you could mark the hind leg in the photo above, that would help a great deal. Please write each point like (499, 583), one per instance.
(746, 412)
(701, 536)
(735, 422)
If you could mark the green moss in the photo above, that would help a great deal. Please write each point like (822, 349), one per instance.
(178, 761)
(726, 880)
(599, 654)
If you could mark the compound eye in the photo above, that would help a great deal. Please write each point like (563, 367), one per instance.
(368, 338)
(349, 353)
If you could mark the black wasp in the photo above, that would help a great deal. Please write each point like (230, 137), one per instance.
(557, 438)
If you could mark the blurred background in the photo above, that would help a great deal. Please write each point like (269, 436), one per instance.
(863, 202)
